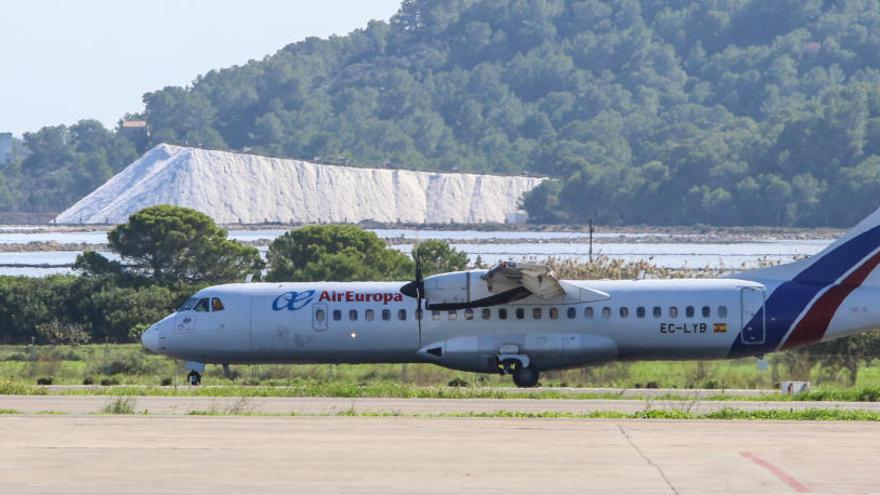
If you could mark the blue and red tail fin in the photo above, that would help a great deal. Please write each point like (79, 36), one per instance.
(832, 263)
(806, 294)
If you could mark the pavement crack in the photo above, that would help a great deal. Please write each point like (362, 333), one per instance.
(647, 459)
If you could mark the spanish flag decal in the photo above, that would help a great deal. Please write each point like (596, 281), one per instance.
(720, 328)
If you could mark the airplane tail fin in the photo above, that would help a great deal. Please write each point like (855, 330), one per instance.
(854, 255)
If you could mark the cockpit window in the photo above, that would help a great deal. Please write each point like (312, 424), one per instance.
(189, 304)
(202, 305)
(216, 304)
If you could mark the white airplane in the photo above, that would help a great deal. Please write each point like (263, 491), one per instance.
(519, 319)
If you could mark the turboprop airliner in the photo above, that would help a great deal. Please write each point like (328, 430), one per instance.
(520, 319)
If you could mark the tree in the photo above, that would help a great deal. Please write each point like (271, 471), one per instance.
(335, 253)
(848, 353)
(439, 257)
(685, 112)
(171, 244)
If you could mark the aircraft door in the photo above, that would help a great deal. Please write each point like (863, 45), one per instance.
(753, 315)
(320, 315)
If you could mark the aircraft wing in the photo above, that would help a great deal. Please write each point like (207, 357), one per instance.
(539, 280)
(506, 282)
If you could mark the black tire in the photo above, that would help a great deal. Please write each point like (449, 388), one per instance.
(526, 377)
(194, 378)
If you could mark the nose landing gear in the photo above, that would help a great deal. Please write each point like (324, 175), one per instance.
(195, 372)
(194, 378)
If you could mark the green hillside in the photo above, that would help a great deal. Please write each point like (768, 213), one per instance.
(647, 111)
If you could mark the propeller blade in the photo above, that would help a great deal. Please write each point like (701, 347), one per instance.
(419, 286)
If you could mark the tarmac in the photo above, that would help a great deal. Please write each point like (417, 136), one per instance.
(181, 405)
(47, 454)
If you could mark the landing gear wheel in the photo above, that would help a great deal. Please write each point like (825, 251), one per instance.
(525, 377)
(194, 378)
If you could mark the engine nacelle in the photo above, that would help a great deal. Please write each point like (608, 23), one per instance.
(548, 351)
(457, 288)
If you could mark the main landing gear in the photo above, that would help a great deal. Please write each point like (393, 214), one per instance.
(523, 376)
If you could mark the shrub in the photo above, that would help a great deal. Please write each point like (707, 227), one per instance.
(45, 380)
(119, 405)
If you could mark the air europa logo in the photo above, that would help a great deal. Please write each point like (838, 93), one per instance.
(352, 296)
(293, 301)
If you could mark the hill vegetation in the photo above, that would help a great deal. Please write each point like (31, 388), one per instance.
(647, 111)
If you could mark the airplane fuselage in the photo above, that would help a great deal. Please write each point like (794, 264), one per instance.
(372, 322)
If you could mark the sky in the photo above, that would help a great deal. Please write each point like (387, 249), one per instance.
(62, 60)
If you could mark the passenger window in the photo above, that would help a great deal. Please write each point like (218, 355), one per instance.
(673, 312)
(453, 315)
(606, 312)
(571, 313)
(386, 314)
(588, 312)
(216, 304)
(722, 311)
(487, 313)
(689, 311)
(658, 312)
(502, 313)
(536, 313)
(554, 313)
(640, 312)
(320, 315)
(401, 314)
(624, 312)
(202, 305)
(468, 314)
(368, 315)
(337, 315)
(353, 315)
(520, 313)
(435, 315)
(707, 311)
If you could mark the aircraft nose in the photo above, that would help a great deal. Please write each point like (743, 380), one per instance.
(150, 339)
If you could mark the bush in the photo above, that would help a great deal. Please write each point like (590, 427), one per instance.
(46, 380)
(119, 362)
(88, 381)
(108, 382)
(457, 382)
(119, 405)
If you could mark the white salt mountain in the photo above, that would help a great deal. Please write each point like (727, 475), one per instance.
(243, 188)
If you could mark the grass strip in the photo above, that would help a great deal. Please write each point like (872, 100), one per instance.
(817, 414)
(395, 390)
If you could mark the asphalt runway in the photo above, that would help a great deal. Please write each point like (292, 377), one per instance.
(373, 455)
(79, 404)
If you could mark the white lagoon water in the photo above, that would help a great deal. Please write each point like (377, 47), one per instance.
(490, 246)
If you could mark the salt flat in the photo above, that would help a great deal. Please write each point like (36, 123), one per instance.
(172, 454)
